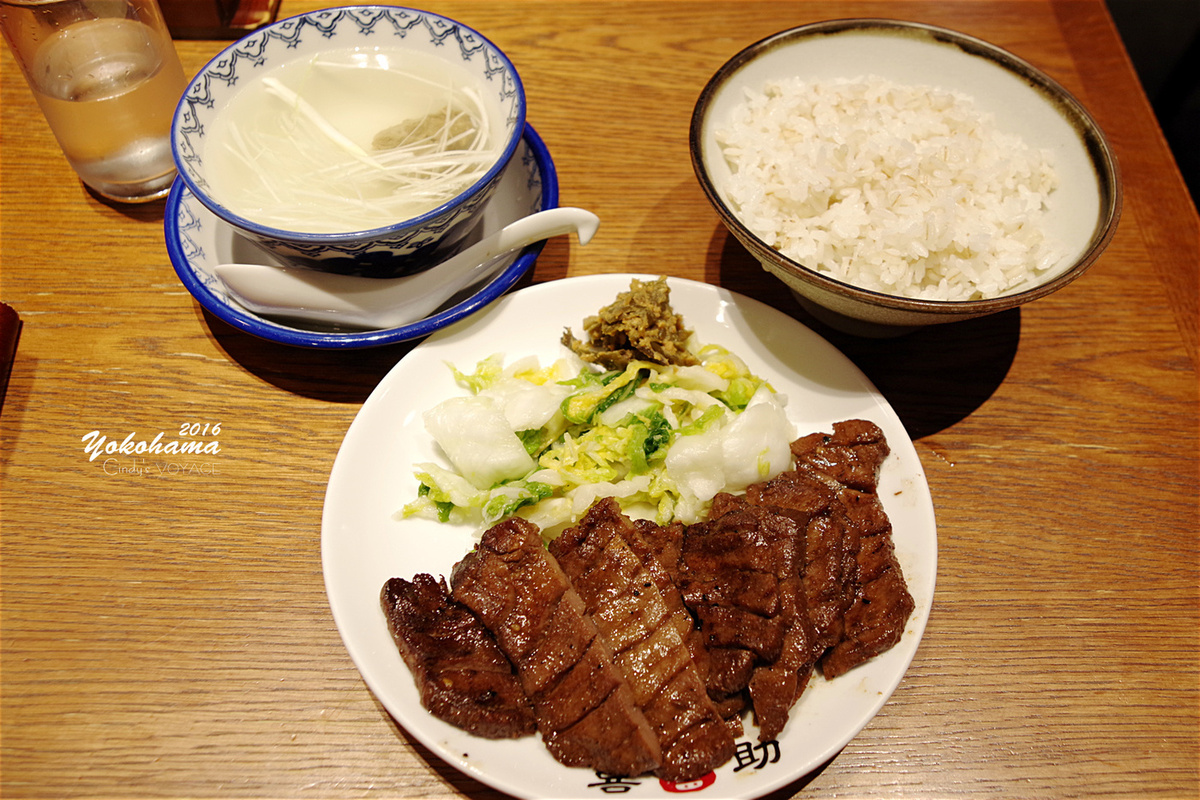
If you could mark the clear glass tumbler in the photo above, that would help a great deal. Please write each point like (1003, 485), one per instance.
(107, 78)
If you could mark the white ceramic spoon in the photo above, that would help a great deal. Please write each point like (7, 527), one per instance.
(391, 302)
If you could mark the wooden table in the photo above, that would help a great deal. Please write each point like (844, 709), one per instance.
(167, 634)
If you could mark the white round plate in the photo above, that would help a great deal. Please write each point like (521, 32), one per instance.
(363, 542)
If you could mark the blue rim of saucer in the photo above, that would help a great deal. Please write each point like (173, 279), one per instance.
(263, 328)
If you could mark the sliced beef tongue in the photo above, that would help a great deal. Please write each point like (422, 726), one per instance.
(741, 577)
(586, 711)
(848, 461)
(635, 648)
(881, 607)
(462, 676)
(849, 457)
(728, 672)
(830, 547)
(623, 594)
(657, 547)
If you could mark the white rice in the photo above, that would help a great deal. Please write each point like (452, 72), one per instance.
(907, 190)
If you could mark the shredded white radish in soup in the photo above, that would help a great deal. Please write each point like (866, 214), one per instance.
(350, 141)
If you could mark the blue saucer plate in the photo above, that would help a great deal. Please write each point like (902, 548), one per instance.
(197, 241)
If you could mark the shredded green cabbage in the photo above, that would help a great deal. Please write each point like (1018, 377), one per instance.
(661, 439)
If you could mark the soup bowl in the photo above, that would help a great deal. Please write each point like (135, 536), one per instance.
(1078, 216)
(356, 84)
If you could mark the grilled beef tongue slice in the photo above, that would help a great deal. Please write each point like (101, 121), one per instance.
(881, 607)
(848, 461)
(849, 457)
(623, 597)
(585, 710)
(462, 676)
(742, 579)
(726, 672)
(830, 547)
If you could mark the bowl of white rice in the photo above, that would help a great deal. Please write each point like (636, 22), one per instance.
(895, 175)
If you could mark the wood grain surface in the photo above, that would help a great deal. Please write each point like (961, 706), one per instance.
(166, 633)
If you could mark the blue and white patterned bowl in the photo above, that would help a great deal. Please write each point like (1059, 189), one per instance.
(398, 249)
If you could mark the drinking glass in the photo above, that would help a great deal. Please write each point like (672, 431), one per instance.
(107, 78)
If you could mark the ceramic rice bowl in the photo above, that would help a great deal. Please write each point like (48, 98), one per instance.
(1081, 213)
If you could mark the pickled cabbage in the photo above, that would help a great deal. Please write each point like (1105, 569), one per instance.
(545, 442)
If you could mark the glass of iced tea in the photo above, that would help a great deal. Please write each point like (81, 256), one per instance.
(107, 78)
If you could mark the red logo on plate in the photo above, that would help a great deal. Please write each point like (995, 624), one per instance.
(689, 786)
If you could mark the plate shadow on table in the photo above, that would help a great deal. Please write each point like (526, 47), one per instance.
(463, 784)
(932, 377)
(336, 376)
(793, 789)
